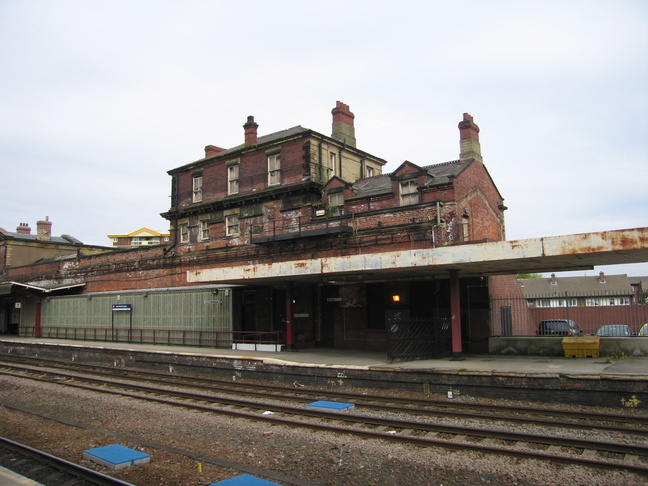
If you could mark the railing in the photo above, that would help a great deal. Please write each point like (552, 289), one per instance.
(178, 337)
(296, 227)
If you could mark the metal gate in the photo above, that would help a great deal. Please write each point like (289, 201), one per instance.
(419, 338)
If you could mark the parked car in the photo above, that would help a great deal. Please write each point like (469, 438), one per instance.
(558, 327)
(643, 331)
(614, 330)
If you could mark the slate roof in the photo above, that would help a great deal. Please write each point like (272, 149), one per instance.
(381, 184)
(590, 286)
(270, 137)
(63, 239)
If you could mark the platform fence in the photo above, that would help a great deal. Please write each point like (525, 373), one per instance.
(169, 337)
(519, 316)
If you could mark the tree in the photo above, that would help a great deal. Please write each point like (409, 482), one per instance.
(528, 275)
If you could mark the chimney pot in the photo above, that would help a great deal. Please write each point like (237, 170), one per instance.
(601, 277)
(250, 131)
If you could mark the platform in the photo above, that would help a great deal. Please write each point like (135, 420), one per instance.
(367, 360)
(603, 381)
(10, 478)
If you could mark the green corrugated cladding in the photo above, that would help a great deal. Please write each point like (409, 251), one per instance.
(179, 311)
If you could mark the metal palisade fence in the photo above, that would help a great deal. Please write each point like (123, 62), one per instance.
(520, 316)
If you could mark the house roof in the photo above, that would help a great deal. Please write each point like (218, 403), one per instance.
(590, 286)
(264, 139)
(270, 137)
(63, 239)
(381, 184)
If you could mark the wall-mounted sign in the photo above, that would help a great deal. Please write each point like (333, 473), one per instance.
(122, 307)
(334, 299)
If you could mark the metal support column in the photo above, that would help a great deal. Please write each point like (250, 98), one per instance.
(289, 317)
(455, 312)
(37, 317)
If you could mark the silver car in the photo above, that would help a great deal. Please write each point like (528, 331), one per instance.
(614, 330)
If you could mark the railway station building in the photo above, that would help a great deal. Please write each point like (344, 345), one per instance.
(297, 239)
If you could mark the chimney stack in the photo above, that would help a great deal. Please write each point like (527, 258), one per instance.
(44, 230)
(23, 229)
(212, 150)
(469, 139)
(343, 124)
(250, 131)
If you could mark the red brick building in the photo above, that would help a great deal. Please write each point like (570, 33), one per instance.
(298, 195)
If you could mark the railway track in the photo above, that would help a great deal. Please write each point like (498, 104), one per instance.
(415, 424)
(49, 470)
(423, 406)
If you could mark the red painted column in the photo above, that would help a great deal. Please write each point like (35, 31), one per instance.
(37, 318)
(289, 316)
(455, 312)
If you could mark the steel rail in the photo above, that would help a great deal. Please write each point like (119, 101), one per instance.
(394, 437)
(403, 424)
(369, 401)
(83, 474)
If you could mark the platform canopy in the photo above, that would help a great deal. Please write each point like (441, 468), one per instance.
(10, 287)
(535, 255)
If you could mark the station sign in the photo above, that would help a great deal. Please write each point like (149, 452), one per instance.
(122, 307)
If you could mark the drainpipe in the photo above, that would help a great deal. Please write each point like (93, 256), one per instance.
(175, 240)
(319, 162)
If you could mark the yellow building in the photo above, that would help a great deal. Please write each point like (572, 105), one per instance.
(141, 237)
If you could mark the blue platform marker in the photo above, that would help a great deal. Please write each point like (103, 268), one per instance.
(332, 405)
(245, 480)
(116, 456)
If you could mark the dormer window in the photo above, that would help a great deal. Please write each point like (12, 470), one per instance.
(408, 193)
(336, 204)
(197, 188)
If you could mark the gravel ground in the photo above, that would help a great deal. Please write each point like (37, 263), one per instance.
(295, 456)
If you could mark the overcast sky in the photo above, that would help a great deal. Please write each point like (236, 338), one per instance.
(99, 99)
